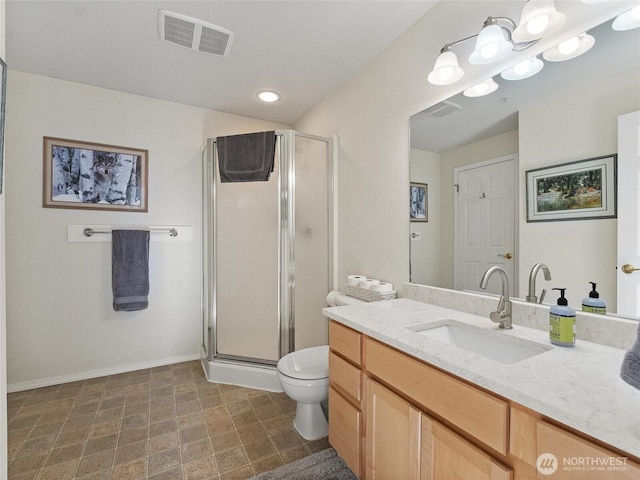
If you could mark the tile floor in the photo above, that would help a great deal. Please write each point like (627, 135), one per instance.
(165, 423)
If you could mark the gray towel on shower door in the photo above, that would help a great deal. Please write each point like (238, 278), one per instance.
(630, 370)
(246, 158)
(130, 269)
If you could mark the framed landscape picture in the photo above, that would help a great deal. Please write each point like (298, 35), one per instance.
(94, 176)
(580, 190)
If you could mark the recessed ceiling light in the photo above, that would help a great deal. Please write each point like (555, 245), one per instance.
(269, 96)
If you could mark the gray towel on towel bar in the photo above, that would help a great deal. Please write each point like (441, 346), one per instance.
(130, 269)
(246, 158)
(630, 370)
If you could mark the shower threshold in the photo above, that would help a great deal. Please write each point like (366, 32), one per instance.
(243, 374)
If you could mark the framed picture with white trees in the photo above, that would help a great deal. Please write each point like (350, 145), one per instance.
(94, 176)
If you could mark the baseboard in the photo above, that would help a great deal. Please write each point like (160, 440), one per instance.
(47, 382)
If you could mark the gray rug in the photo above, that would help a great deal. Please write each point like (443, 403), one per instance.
(324, 465)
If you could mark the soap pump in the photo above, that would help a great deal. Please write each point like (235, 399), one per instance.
(593, 303)
(562, 322)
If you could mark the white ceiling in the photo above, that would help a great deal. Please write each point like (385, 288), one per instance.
(302, 49)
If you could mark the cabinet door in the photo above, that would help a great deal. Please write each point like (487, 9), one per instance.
(344, 430)
(565, 456)
(392, 435)
(447, 456)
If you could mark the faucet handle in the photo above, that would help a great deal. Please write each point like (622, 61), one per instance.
(542, 294)
(500, 304)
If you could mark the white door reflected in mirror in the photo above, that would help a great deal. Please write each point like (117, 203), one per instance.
(629, 214)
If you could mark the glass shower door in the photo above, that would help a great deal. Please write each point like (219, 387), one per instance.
(247, 272)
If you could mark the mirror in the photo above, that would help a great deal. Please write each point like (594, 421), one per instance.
(567, 112)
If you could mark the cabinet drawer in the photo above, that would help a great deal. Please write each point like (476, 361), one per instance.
(346, 377)
(478, 413)
(345, 430)
(345, 341)
(579, 458)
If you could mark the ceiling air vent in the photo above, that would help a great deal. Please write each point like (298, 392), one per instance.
(442, 109)
(194, 34)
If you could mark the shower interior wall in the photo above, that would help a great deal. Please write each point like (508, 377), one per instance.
(267, 256)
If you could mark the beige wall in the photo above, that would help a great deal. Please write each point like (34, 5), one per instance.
(61, 324)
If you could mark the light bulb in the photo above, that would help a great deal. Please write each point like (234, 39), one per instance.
(482, 88)
(627, 20)
(538, 24)
(522, 67)
(568, 46)
(445, 73)
(522, 70)
(489, 51)
(268, 96)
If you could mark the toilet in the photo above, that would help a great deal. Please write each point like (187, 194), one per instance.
(304, 377)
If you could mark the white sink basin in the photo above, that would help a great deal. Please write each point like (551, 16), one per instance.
(490, 344)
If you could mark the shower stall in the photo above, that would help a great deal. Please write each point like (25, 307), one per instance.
(267, 261)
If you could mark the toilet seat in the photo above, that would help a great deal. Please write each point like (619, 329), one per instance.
(307, 364)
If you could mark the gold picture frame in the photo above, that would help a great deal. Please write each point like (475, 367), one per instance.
(94, 176)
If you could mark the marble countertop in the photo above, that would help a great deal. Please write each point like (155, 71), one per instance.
(578, 386)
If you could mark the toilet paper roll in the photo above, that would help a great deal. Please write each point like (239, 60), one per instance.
(382, 287)
(367, 283)
(354, 279)
(336, 299)
(347, 300)
(331, 298)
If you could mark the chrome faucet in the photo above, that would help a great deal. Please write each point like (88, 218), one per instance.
(502, 315)
(532, 282)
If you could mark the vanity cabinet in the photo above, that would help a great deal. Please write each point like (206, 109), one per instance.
(345, 395)
(393, 416)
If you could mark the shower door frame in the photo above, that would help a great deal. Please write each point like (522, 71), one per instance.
(286, 245)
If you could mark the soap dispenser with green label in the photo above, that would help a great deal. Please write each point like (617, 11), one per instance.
(562, 322)
(593, 303)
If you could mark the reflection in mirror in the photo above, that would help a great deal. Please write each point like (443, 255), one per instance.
(567, 112)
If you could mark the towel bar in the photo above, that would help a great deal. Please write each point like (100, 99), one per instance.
(88, 232)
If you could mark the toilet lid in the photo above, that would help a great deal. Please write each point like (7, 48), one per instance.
(307, 364)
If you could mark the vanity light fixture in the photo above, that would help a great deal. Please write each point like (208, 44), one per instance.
(571, 48)
(268, 96)
(523, 70)
(627, 20)
(482, 88)
(495, 40)
(539, 17)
